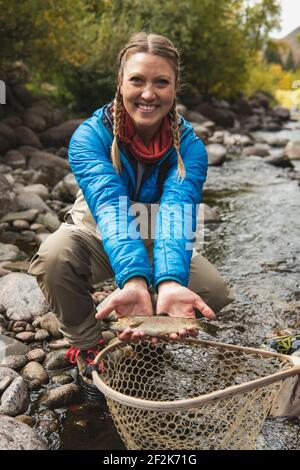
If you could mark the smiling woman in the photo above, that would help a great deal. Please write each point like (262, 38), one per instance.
(135, 149)
(148, 87)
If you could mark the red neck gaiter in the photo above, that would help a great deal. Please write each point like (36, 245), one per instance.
(159, 145)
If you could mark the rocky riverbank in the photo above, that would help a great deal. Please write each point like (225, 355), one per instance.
(37, 189)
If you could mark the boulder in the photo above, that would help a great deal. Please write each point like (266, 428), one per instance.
(56, 360)
(282, 113)
(28, 215)
(7, 138)
(216, 154)
(49, 322)
(28, 200)
(10, 346)
(61, 134)
(292, 150)
(35, 371)
(280, 160)
(22, 297)
(33, 118)
(8, 201)
(53, 168)
(222, 117)
(15, 159)
(15, 435)
(260, 150)
(15, 361)
(26, 136)
(60, 396)
(10, 252)
(15, 399)
(38, 189)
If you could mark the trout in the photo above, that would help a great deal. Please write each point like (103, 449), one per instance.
(159, 325)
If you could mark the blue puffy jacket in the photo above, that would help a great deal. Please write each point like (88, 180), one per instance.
(89, 156)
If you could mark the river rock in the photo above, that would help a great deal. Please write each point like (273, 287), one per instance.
(7, 138)
(277, 141)
(261, 150)
(15, 435)
(36, 355)
(49, 220)
(52, 168)
(292, 150)
(33, 118)
(15, 399)
(62, 378)
(20, 225)
(60, 135)
(196, 117)
(222, 117)
(56, 360)
(211, 214)
(216, 154)
(14, 362)
(10, 252)
(6, 372)
(25, 136)
(35, 371)
(8, 201)
(49, 322)
(28, 215)
(27, 200)
(60, 396)
(26, 419)
(280, 160)
(15, 159)
(282, 113)
(25, 336)
(71, 184)
(40, 335)
(4, 383)
(22, 297)
(39, 189)
(181, 109)
(200, 130)
(59, 344)
(10, 346)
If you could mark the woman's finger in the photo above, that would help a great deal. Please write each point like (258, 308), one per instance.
(192, 331)
(126, 334)
(173, 336)
(109, 307)
(204, 309)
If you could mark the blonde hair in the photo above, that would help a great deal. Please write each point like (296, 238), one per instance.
(157, 45)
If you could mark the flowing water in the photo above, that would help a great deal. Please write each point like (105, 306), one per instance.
(256, 247)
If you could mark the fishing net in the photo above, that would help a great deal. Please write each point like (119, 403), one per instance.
(189, 394)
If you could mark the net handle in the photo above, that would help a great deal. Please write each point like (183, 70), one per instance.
(189, 403)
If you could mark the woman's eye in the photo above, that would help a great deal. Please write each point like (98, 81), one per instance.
(136, 79)
(162, 81)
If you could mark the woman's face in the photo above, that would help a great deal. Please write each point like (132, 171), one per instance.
(148, 87)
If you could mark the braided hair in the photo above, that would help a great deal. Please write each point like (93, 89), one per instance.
(157, 45)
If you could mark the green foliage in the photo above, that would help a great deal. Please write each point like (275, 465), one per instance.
(75, 43)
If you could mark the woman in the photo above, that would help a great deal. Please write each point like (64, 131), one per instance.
(136, 149)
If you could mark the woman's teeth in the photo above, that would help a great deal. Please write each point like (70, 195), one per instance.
(146, 108)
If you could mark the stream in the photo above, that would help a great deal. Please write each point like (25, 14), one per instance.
(256, 248)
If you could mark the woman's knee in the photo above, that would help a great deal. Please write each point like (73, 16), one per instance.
(207, 282)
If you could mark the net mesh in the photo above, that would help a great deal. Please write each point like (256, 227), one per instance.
(172, 371)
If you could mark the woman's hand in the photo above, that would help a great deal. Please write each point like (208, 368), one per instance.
(179, 301)
(133, 299)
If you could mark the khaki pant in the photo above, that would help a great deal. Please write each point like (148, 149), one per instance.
(72, 260)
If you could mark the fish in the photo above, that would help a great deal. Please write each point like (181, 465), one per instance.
(159, 325)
